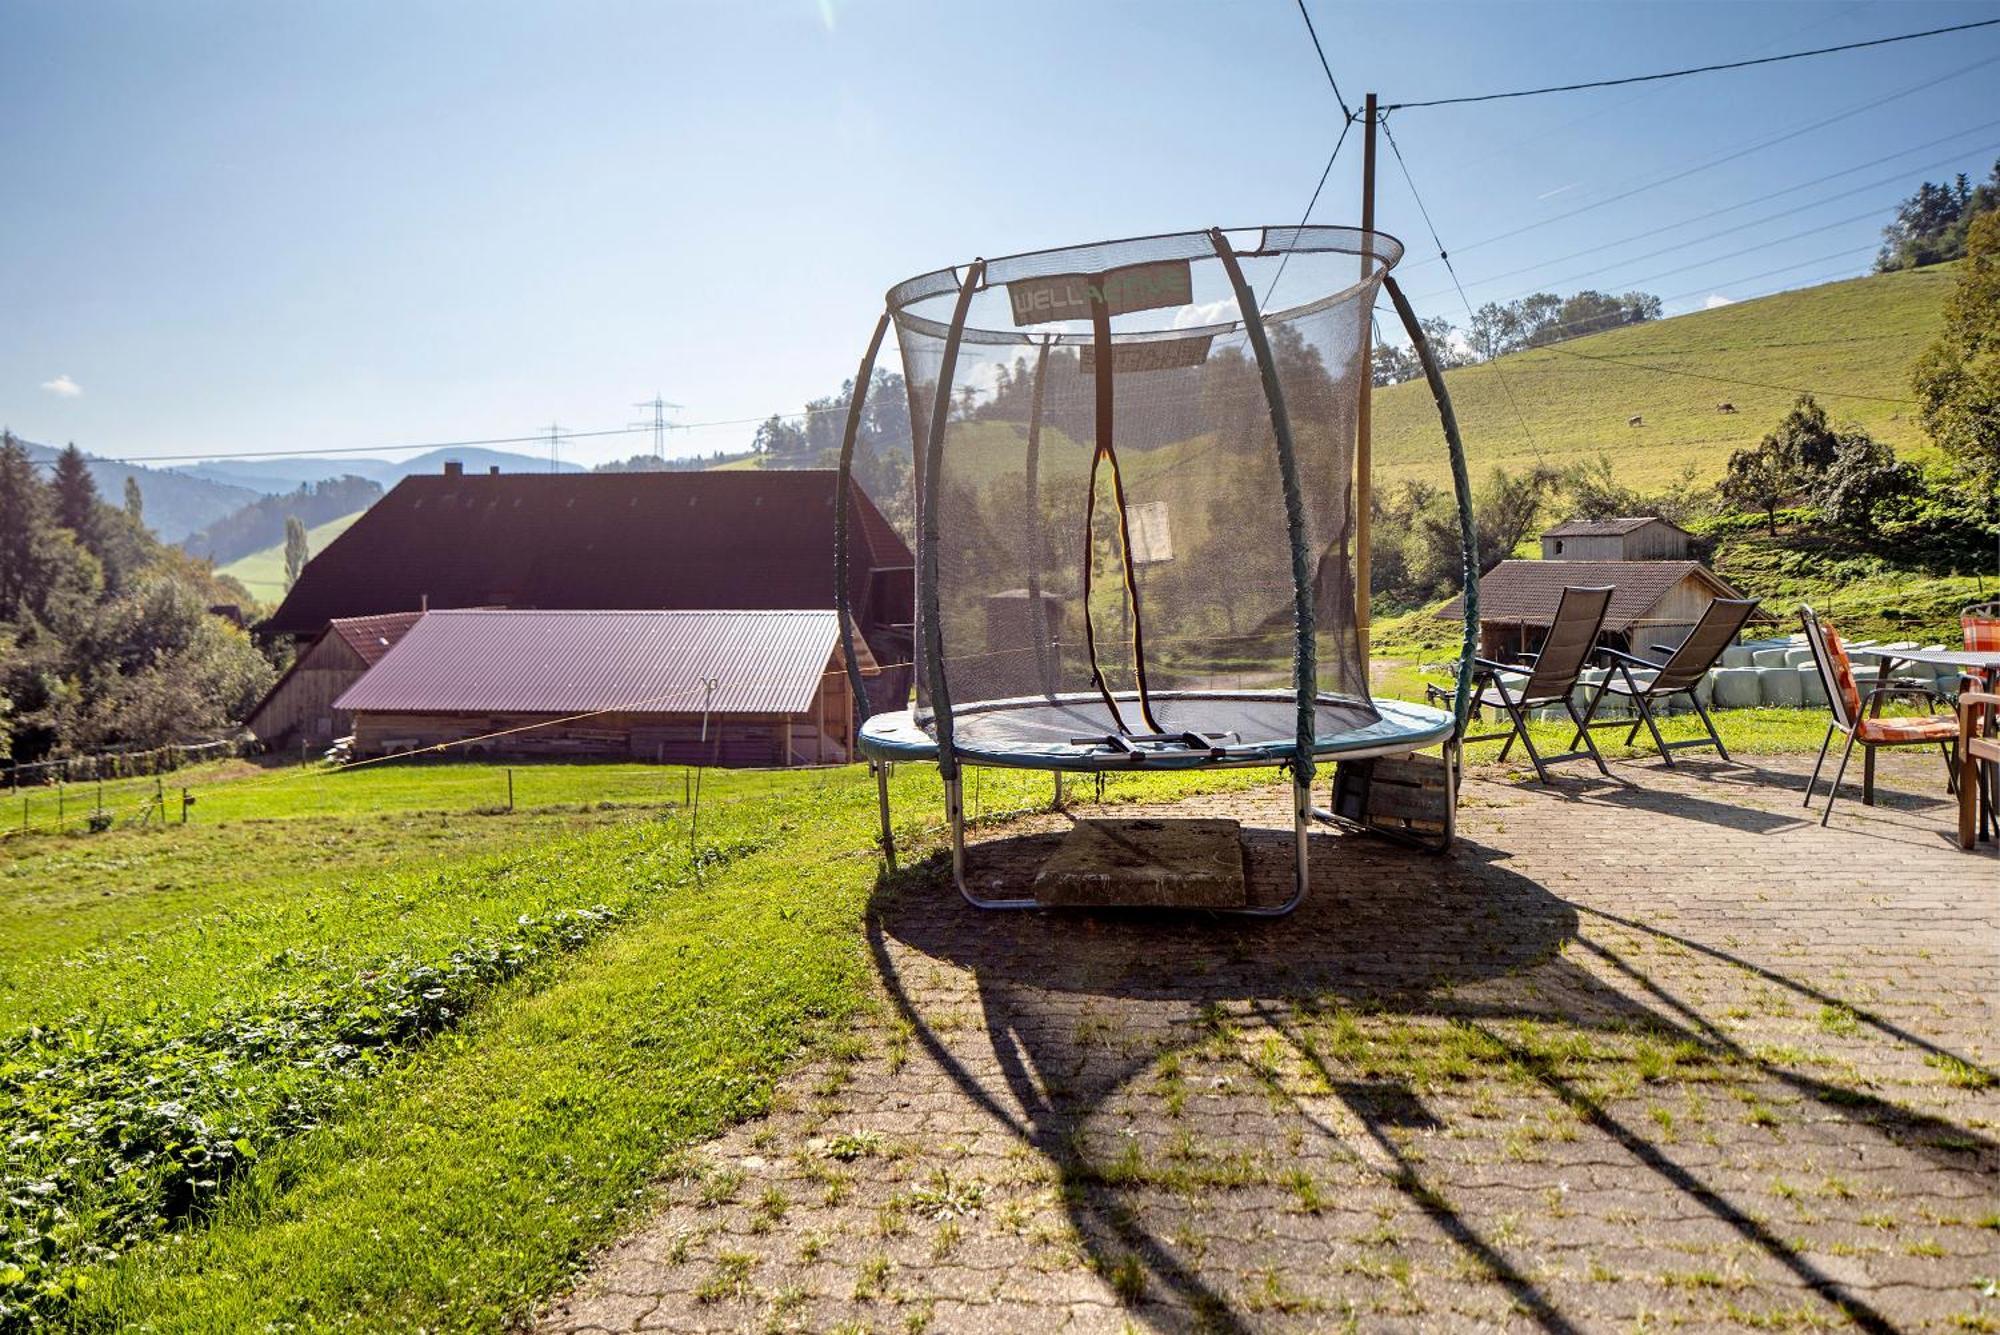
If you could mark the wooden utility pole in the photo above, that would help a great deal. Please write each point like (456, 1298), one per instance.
(1364, 453)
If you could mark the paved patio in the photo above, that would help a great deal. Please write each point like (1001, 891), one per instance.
(1651, 1052)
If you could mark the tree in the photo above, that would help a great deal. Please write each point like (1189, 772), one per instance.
(296, 554)
(778, 439)
(1495, 330)
(1763, 478)
(76, 496)
(24, 522)
(135, 503)
(1864, 473)
(1957, 378)
(1805, 439)
(1933, 225)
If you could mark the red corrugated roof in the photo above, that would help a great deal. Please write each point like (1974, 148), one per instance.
(563, 662)
(751, 539)
(372, 637)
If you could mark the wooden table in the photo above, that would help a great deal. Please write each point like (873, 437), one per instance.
(1973, 662)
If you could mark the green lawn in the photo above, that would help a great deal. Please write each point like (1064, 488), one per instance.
(263, 572)
(378, 1060)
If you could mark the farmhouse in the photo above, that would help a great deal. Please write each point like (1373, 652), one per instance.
(695, 541)
(1656, 602)
(299, 706)
(623, 684)
(1634, 538)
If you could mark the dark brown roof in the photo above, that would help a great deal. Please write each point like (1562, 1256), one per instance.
(750, 539)
(372, 637)
(519, 662)
(1526, 592)
(1605, 528)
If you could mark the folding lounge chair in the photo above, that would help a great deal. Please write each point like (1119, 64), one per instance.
(1850, 714)
(1549, 679)
(1682, 671)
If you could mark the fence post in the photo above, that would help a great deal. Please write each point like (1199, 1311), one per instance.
(24, 813)
(510, 789)
(186, 802)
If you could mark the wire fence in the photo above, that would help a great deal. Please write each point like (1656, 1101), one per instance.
(119, 764)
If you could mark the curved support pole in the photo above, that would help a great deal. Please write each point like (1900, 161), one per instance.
(927, 588)
(843, 487)
(1461, 484)
(954, 810)
(1305, 663)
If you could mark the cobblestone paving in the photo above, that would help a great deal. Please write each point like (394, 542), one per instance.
(1647, 1053)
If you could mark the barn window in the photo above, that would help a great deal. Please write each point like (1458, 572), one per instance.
(1559, 546)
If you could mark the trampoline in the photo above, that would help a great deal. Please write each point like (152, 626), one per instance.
(1134, 496)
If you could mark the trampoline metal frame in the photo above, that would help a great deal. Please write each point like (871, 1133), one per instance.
(1303, 761)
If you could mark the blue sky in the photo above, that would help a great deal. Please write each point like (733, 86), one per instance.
(233, 227)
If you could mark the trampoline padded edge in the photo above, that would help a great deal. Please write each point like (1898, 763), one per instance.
(1403, 727)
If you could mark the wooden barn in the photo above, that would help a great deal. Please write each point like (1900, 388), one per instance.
(1634, 538)
(629, 685)
(299, 706)
(1657, 602)
(751, 540)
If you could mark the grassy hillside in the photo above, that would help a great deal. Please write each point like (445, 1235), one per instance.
(263, 572)
(1853, 337)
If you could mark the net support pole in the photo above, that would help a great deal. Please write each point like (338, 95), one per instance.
(842, 494)
(1461, 485)
(1364, 407)
(1038, 621)
(1305, 661)
(928, 531)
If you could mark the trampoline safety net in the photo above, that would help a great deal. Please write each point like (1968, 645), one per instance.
(1114, 555)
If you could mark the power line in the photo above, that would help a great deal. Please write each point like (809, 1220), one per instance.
(1677, 74)
(1445, 256)
(1731, 208)
(1712, 259)
(1313, 32)
(1732, 156)
(1307, 215)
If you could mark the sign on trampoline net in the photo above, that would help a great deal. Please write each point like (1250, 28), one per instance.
(1137, 287)
(1152, 540)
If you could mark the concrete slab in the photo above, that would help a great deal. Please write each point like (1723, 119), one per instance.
(1146, 863)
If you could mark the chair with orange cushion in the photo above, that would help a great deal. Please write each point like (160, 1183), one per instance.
(1850, 714)
(1981, 624)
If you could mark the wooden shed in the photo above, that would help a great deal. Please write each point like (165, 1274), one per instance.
(299, 706)
(631, 685)
(1633, 538)
(1656, 602)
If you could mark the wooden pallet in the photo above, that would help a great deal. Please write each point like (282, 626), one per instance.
(1406, 797)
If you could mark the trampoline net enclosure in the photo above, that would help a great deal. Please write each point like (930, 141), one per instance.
(1109, 525)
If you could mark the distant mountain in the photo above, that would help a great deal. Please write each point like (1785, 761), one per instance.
(274, 477)
(176, 505)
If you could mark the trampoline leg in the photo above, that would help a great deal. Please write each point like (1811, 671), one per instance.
(1302, 819)
(1058, 806)
(954, 814)
(882, 800)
